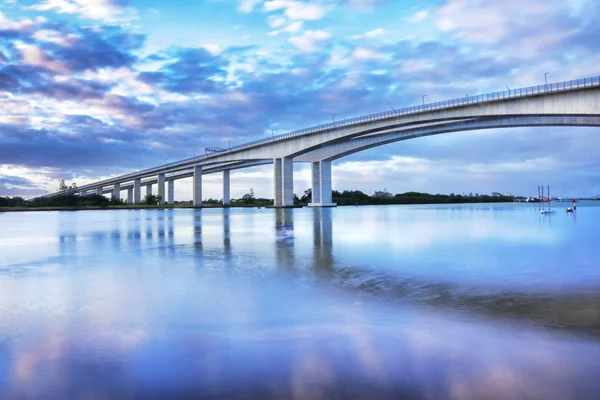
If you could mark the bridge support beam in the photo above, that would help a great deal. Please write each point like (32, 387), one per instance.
(277, 180)
(130, 195)
(99, 191)
(137, 191)
(197, 183)
(321, 173)
(226, 187)
(161, 188)
(316, 182)
(171, 187)
(116, 191)
(287, 167)
(148, 190)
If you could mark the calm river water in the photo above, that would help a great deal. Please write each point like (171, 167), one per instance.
(390, 302)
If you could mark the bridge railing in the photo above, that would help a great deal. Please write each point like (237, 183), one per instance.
(460, 101)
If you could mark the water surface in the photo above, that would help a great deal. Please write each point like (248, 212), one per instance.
(417, 302)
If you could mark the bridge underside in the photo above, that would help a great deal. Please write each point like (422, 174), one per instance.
(320, 159)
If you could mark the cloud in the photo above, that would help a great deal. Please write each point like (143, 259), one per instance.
(536, 25)
(297, 10)
(10, 182)
(248, 5)
(419, 16)
(371, 34)
(309, 39)
(105, 10)
(190, 71)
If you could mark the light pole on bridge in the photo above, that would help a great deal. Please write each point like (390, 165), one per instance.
(546, 77)
(423, 97)
(333, 117)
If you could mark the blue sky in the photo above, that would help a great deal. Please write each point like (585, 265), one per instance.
(94, 88)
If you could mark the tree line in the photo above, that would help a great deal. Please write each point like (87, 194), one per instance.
(68, 198)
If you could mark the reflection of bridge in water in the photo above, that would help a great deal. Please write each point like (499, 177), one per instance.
(205, 236)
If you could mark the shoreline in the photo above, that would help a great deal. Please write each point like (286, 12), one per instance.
(187, 206)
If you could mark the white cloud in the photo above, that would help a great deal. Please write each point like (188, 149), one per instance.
(21, 26)
(308, 40)
(419, 16)
(371, 34)
(293, 27)
(52, 36)
(109, 10)
(490, 22)
(361, 53)
(296, 10)
(276, 22)
(248, 5)
(33, 55)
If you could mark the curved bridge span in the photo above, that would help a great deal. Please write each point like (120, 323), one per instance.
(571, 103)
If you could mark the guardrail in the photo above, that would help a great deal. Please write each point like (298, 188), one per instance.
(461, 101)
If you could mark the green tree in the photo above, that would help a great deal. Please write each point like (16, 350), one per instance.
(249, 197)
(152, 199)
(307, 196)
(62, 186)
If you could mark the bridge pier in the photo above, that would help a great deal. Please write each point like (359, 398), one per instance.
(277, 178)
(316, 182)
(130, 195)
(171, 187)
(287, 165)
(321, 185)
(99, 191)
(161, 188)
(137, 191)
(148, 190)
(116, 191)
(197, 186)
(226, 188)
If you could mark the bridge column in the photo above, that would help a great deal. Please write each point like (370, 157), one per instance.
(130, 195)
(99, 191)
(171, 192)
(161, 188)
(116, 191)
(287, 165)
(148, 190)
(325, 169)
(316, 182)
(226, 188)
(197, 183)
(137, 191)
(277, 180)
(324, 185)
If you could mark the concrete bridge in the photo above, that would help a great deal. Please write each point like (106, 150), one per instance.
(570, 103)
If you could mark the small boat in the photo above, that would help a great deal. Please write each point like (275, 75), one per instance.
(546, 212)
(569, 209)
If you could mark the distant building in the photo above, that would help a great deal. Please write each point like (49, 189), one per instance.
(508, 194)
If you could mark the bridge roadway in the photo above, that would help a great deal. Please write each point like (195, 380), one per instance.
(570, 103)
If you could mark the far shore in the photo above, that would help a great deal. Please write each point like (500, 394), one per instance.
(189, 206)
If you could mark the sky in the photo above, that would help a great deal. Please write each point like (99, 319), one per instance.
(90, 89)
